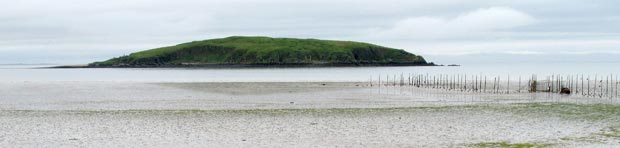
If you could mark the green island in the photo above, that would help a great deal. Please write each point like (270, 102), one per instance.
(266, 51)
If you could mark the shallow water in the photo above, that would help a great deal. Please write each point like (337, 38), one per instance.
(35, 73)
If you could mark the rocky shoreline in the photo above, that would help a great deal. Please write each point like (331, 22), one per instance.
(292, 65)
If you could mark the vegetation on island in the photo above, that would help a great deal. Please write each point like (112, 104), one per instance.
(268, 51)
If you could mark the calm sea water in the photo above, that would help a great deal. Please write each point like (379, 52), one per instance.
(10, 73)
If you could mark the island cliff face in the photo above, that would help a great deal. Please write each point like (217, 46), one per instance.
(266, 51)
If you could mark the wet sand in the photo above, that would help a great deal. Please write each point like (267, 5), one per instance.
(126, 114)
(245, 95)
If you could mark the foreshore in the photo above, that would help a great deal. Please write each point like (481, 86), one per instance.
(290, 114)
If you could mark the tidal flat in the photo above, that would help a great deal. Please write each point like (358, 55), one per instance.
(294, 114)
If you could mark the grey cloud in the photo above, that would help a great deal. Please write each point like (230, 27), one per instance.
(118, 27)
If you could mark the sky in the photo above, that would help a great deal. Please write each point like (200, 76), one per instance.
(82, 31)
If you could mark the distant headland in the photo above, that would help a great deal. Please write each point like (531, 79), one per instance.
(238, 51)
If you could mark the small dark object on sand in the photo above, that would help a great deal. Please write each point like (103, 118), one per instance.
(565, 91)
(323, 84)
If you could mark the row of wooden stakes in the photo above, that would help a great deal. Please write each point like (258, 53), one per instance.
(584, 85)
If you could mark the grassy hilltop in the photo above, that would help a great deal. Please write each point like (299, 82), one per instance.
(266, 51)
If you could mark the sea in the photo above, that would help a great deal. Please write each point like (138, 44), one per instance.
(515, 70)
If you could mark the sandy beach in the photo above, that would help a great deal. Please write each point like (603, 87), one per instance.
(293, 114)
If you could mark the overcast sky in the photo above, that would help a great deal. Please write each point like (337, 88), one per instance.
(70, 31)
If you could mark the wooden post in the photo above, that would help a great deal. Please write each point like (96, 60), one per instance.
(601, 92)
(417, 80)
(473, 83)
(569, 83)
(519, 84)
(446, 82)
(533, 84)
(494, 84)
(438, 85)
(460, 77)
(458, 82)
(402, 80)
(475, 86)
(607, 87)
(408, 79)
(595, 84)
(609, 82)
(394, 80)
(582, 84)
(414, 79)
(485, 84)
(548, 83)
(454, 82)
(480, 84)
(566, 81)
(552, 83)
(434, 82)
(499, 84)
(443, 82)
(616, 85)
(560, 83)
(589, 93)
(370, 81)
(465, 82)
(451, 82)
(426, 80)
(508, 86)
(575, 84)
(440, 81)
(387, 80)
(461, 83)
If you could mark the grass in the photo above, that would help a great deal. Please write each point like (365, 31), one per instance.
(509, 145)
(265, 50)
